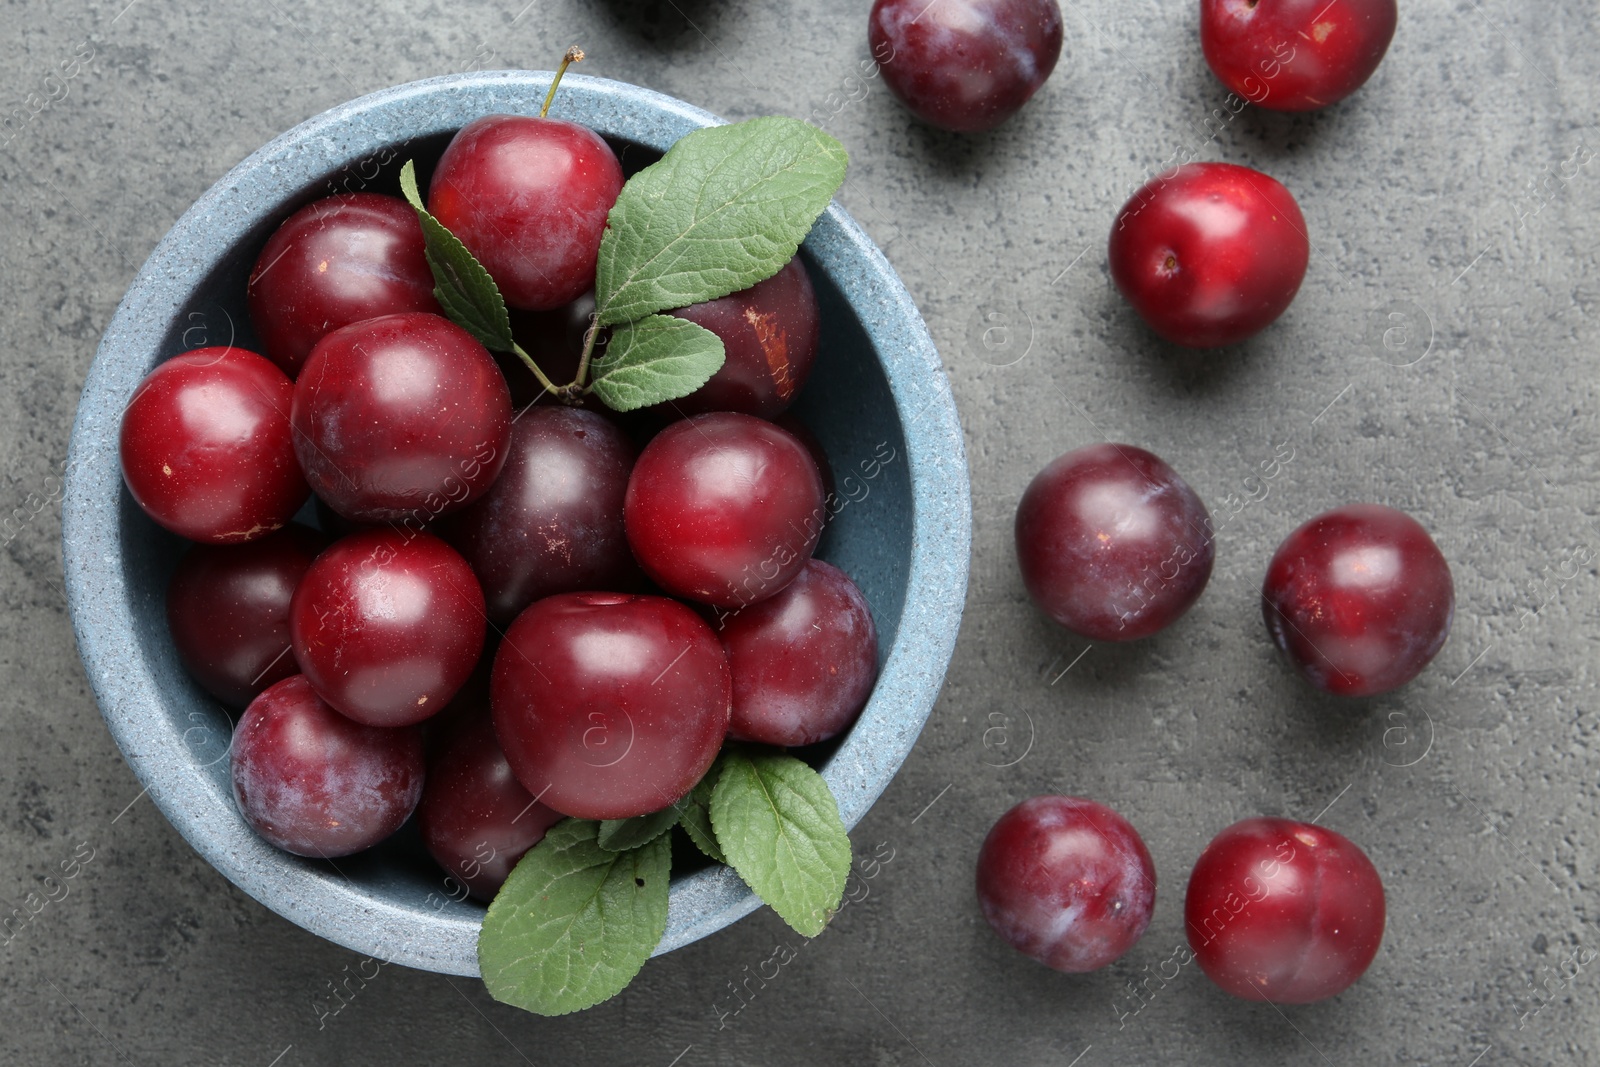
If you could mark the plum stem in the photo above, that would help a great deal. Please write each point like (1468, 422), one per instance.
(589, 337)
(544, 380)
(574, 55)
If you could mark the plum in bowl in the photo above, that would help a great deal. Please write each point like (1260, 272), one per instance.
(878, 400)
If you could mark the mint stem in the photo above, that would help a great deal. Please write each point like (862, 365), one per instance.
(549, 386)
(589, 337)
(574, 55)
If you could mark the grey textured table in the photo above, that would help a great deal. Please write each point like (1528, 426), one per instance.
(1441, 357)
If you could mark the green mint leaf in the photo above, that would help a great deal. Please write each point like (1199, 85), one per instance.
(619, 835)
(779, 826)
(658, 358)
(574, 922)
(725, 208)
(694, 814)
(469, 297)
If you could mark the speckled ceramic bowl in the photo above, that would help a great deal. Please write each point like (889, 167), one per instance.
(878, 399)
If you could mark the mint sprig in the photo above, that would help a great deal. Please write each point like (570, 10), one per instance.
(587, 905)
(779, 826)
(460, 283)
(724, 208)
(619, 835)
(658, 358)
(574, 922)
(694, 814)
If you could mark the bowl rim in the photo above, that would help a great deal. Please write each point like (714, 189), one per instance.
(99, 602)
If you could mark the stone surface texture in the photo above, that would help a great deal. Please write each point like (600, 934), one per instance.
(1440, 358)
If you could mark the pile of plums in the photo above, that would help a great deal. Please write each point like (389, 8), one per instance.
(509, 613)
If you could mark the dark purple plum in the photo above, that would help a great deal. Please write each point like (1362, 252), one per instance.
(803, 661)
(313, 782)
(1360, 599)
(965, 65)
(228, 611)
(476, 819)
(552, 521)
(1066, 881)
(1113, 545)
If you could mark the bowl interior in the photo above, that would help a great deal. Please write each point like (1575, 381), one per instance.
(877, 400)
